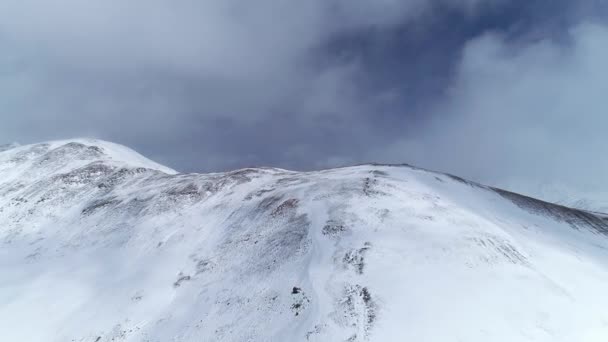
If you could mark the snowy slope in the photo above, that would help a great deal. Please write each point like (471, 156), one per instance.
(590, 198)
(6, 147)
(99, 244)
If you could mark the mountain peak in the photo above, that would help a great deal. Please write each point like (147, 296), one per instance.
(73, 153)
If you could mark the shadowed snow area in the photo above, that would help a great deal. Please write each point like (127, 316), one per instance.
(99, 244)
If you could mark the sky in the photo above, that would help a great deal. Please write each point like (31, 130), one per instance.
(509, 93)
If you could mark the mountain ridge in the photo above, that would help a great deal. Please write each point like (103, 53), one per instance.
(106, 249)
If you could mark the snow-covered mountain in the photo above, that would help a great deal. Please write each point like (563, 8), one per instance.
(6, 147)
(589, 198)
(99, 244)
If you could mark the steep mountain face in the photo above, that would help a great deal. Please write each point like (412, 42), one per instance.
(99, 244)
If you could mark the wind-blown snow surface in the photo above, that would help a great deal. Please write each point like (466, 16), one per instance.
(98, 244)
(588, 198)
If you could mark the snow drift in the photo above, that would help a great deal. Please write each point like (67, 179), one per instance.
(99, 244)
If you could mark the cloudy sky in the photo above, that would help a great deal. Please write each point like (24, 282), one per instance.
(504, 92)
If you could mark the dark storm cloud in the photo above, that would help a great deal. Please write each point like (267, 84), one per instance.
(167, 76)
(219, 84)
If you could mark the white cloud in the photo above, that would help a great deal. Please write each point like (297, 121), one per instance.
(523, 113)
